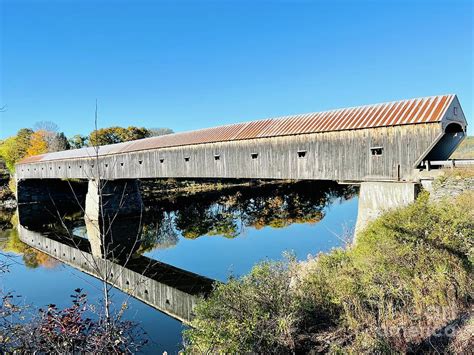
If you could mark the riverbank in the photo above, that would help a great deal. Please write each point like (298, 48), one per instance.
(406, 286)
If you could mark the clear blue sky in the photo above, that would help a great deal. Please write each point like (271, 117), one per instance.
(195, 64)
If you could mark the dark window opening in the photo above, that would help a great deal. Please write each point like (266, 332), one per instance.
(106, 165)
(140, 162)
(167, 301)
(186, 159)
(217, 157)
(146, 292)
(92, 165)
(301, 153)
(254, 155)
(69, 167)
(59, 167)
(127, 282)
(121, 164)
(376, 151)
(162, 160)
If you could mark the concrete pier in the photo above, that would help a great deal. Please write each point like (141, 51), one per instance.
(377, 197)
(113, 217)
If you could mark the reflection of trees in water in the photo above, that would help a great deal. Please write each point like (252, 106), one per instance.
(273, 205)
(159, 234)
(10, 242)
(206, 217)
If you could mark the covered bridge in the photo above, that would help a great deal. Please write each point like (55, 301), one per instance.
(382, 142)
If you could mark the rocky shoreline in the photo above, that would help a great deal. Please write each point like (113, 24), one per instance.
(452, 184)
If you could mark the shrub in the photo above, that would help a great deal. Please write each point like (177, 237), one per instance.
(256, 313)
(409, 274)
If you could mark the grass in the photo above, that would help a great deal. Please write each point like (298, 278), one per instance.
(465, 149)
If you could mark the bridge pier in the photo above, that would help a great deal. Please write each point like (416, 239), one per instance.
(376, 197)
(113, 217)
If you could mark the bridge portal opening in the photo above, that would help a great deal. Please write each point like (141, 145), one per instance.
(445, 147)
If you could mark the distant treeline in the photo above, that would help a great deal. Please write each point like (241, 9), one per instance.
(46, 137)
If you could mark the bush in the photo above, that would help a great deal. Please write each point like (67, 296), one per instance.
(409, 274)
(255, 313)
(66, 331)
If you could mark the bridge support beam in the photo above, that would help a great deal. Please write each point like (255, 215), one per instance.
(113, 217)
(377, 197)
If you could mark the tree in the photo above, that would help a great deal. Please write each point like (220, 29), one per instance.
(14, 148)
(160, 131)
(78, 141)
(38, 143)
(59, 143)
(48, 126)
(50, 133)
(111, 135)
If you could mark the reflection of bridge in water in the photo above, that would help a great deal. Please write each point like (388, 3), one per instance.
(164, 287)
(169, 289)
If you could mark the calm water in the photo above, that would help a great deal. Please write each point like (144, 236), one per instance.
(197, 238)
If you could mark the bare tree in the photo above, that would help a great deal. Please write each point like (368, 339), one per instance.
(48, 126)
(109, 332)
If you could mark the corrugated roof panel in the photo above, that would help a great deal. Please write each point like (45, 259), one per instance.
(352, 115)
(436, 116)
(381, 114)
(428, 109)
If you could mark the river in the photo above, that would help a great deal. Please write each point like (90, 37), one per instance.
(181, 244)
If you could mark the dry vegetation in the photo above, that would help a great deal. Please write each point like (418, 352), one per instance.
(406, 282)
(465, 150)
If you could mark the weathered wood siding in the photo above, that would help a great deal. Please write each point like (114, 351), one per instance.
(342, 156)
(165, 298)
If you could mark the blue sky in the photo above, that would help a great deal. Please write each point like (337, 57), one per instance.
(195, 64)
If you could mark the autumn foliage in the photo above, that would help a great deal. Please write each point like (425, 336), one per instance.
(38, 143)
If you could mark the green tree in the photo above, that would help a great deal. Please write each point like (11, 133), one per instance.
(113, 135)
(78, 141)
(14, 148)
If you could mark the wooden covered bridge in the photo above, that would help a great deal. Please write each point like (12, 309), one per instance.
(385, 143)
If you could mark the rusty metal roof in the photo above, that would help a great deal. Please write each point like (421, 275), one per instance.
(413, 111)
